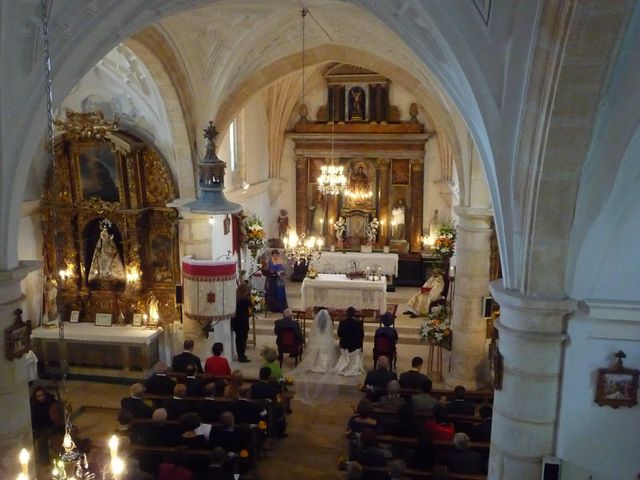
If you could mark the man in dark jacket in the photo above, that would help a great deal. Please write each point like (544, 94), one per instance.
(288, 322)
(460, 405)
(351, 331)
(379, 378)
(180, 361)
(134, 402)
(413, 378)
(160, 383)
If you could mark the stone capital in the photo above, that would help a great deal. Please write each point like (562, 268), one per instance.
(474, 218)
(527, 314)
(10, 280)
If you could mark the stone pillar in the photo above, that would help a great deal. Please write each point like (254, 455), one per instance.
(417, 188)
(383, 165)
(15, 428)
(525, 411)
(468, 359)
(301, 194)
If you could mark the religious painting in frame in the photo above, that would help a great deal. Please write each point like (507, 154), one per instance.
(617, 386)
(315, 165)
(400, 172)
(137, 320)
(98, 172)
(17, 337)
(161, 258)
(103, 319)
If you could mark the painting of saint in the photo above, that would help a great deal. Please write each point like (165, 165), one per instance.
(161, 249)
(400, 172)
(99, 174)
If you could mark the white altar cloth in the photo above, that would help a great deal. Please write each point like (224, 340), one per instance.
(88, 332)
(338, 262)
(337, 291)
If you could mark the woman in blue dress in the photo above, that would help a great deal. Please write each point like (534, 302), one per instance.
(276, 295)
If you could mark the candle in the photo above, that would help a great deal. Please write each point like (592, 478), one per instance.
(113, 446)
(24, 461)
(117, 467)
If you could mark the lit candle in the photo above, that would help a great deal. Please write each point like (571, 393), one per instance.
(113, 446)
(285, 240)
(117, 467)
(24, 462)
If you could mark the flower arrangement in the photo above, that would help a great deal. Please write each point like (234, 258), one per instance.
(258, 301)
(311, 273)
(445, 243)
(254, 234)
(437, 330)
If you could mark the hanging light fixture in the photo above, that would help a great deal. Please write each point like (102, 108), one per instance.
(332, 180)
(71, 463)
(302, 250)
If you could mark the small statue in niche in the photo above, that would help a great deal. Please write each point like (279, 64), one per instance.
(106, 263)
(283, 223)
(356, 103)
(51, 302)
(372, 230)
(340, 226)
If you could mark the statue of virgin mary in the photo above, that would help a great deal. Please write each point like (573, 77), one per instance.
(106, 264)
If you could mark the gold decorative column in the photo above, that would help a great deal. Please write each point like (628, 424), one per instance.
(417, 187)
(382, 165)
(302, 172)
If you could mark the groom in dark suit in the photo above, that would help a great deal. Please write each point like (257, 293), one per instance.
(351, 331)
(180, 361)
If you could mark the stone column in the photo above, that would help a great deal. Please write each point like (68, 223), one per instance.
(417, 187)
(468, 360)
(525, 410)
(301, 194)
(15, 428)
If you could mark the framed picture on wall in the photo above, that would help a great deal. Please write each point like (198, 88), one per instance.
(103, 319)
(400, 172)
(99, 176)
(617, 386)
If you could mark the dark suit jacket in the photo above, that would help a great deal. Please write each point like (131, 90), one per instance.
(351, 333)
(248, 411)
(465, 461)
(176, 407)
(461, 407)
(378, 378)
(137, 407)
(194, 387)
(230, 440)
(283, 323)
(389, 331)
(482, 431)
(210, 410)
(180, 362)
(160, 385)
(264, 390)
(412, 379)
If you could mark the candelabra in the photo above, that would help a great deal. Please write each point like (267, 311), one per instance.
(301, 250)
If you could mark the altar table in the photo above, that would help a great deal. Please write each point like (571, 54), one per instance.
(337, 291)
(337, 262)
(94, 349)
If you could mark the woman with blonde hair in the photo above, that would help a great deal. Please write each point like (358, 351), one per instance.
(240, 321)
(232, 390)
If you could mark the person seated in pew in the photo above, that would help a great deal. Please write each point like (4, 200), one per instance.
(270, 357)
(439, 427)
(424, 402)
(413, 378)
(217, 365)
(463, 460)
(481, 431)
(209, 408)
(180, 361)
(190, 423)
(232, 390)
(158, 433)
(365, 450)
(264, 389)
(392, 401)
(160, 383)
(226, 436)
(220, 468)
(125, 426)
(177, 406)
(404, 425)
(134, 402)
(362, 419)
(425, 455)
(193, 383)
(460, 405)
(379, 378)
(247, 411)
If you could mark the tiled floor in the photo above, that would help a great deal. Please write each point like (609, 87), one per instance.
(316, 431)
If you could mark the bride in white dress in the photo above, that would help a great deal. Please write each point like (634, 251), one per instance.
(315, 377)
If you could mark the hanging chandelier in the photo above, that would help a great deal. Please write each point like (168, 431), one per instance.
(332, 180)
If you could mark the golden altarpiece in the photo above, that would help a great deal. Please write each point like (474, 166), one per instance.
(110, 242)
(382, 158)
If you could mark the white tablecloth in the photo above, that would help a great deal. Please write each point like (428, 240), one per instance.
(337, 291)
(90, 333)
(337, 262)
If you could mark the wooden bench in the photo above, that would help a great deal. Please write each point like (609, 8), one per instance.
(424, 474)
(480, 397)
(482, 447)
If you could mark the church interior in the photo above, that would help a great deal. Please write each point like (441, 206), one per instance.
(463, 174)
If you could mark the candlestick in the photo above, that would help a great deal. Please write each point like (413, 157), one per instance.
(113, 446)
(23, 457)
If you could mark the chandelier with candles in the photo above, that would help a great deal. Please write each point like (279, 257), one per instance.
(332, 180)
(302, 249)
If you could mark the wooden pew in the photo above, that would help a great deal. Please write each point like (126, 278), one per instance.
(424, 474)
(482, 447)
(481, 397)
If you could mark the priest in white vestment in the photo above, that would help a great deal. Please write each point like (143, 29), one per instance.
(432, 289)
